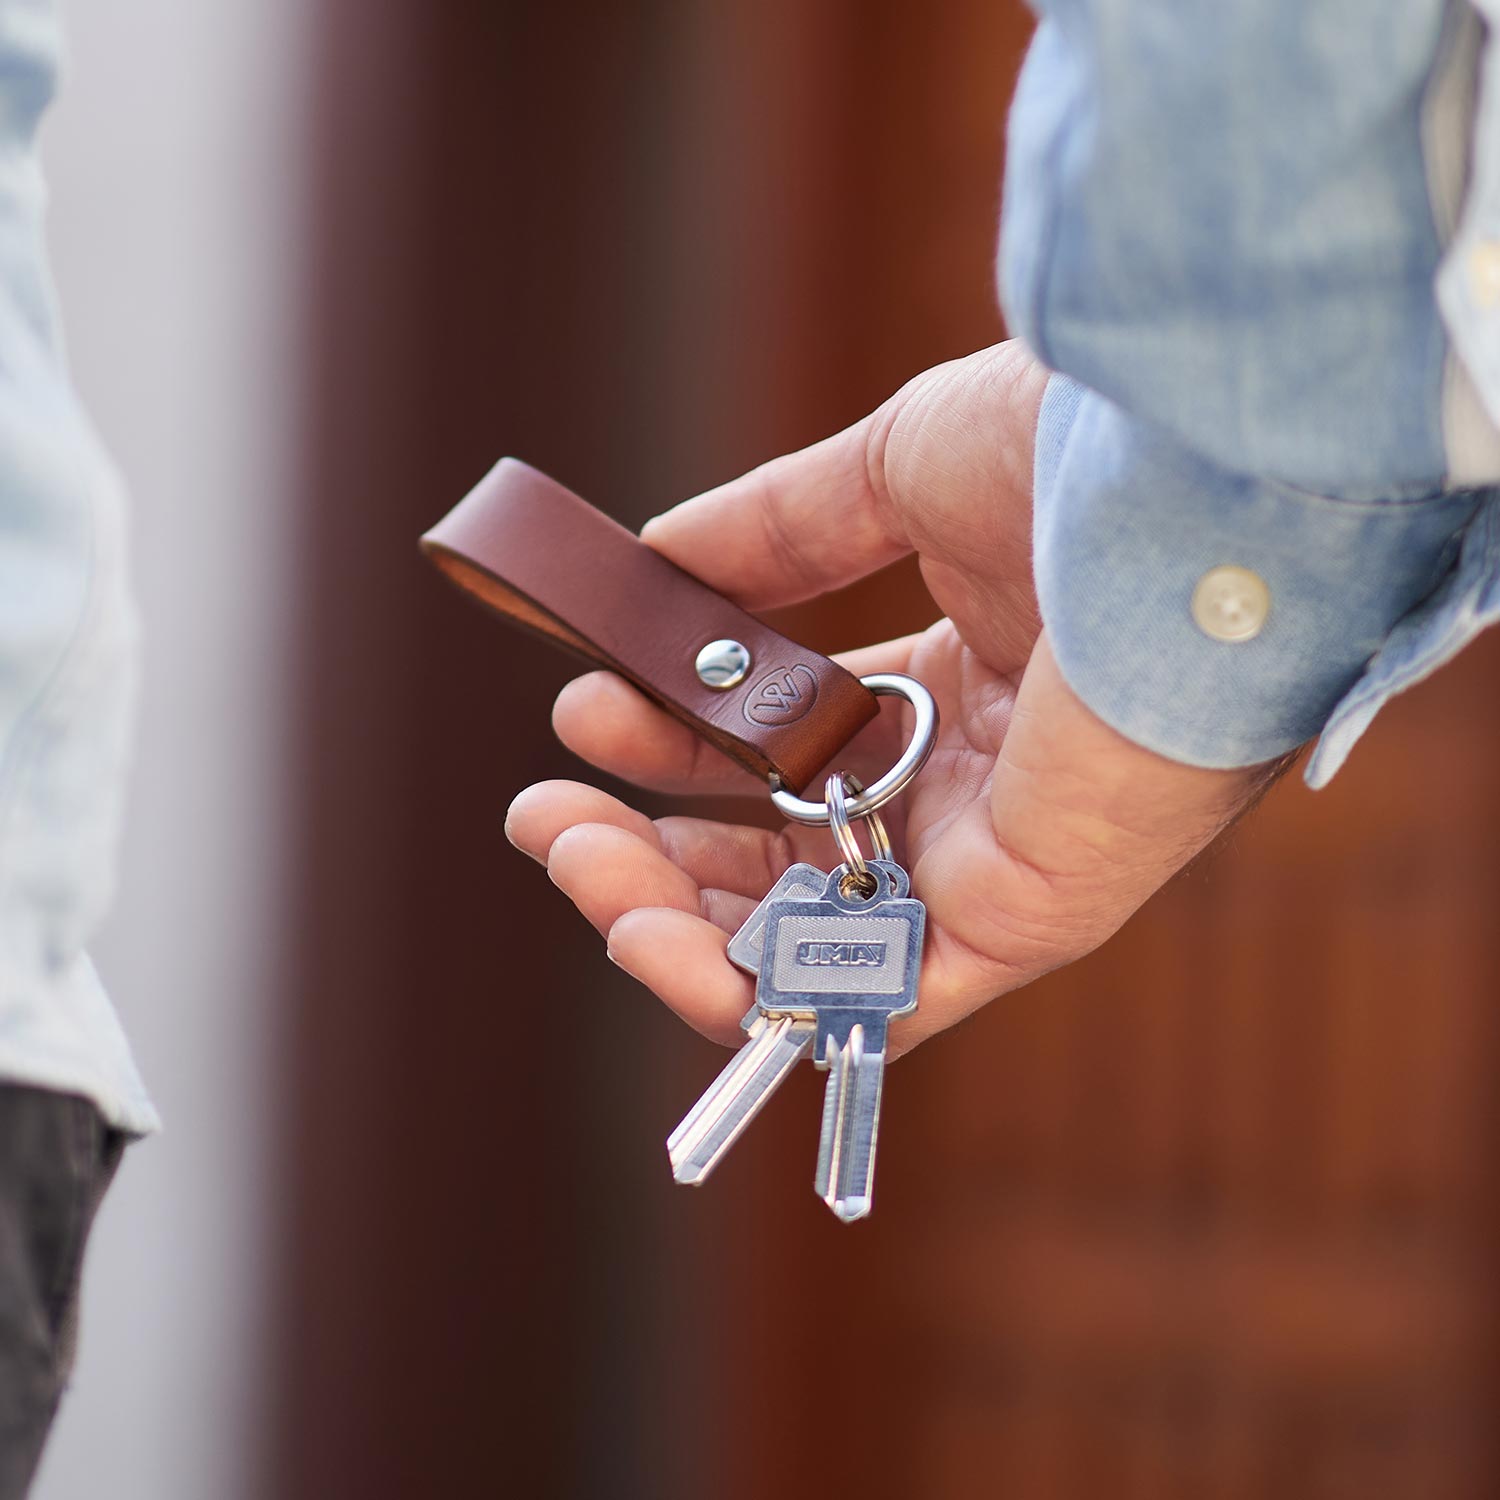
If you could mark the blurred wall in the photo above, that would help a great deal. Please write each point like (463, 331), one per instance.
(1205, 1215)
(174, 162)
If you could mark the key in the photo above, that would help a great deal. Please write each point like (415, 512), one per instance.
(799, 883)
(848, 966)
(774, 1045)
(757, 1070)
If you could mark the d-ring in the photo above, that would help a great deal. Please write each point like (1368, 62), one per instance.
(912, 759)
(843, 831)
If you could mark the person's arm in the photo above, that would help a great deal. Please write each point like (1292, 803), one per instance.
(1258, 470)
(1246, 309)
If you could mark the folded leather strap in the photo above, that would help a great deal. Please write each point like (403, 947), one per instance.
(535, 552)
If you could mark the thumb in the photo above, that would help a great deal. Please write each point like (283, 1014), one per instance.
(792, 529)
(1098, 813)
(1080, 827)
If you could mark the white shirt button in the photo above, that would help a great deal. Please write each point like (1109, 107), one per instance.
(1231, 604)
(1484, 272)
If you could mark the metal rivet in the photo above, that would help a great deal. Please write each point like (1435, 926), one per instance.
(1231, 604)
(722, 664)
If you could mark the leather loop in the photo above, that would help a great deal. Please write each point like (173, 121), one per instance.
(533, 551)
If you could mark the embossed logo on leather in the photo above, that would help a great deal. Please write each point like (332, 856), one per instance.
(782, 696)
(841, 955)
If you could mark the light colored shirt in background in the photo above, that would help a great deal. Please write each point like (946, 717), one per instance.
(67, 645)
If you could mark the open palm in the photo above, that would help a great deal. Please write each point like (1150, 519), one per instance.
(1034, 830)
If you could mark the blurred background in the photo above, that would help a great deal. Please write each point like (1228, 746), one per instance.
(1209, 1214)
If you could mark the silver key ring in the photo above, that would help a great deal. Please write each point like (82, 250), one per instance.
(880, 791)
(843, 829)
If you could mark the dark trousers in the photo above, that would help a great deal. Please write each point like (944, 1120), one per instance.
(56, 1159)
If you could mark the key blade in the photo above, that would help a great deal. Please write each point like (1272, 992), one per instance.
(736, 1096)
(754, 1025)
(845, 1178)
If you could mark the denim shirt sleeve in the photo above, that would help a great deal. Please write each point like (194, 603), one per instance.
(1218, 228)
(1127, 522)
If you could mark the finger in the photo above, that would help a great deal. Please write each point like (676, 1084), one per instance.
(730, 864)
(793, 528)
(607, 871)
(541, 812)
(610, 724)
(745, 861)
(614, 726)
(681, 957)
(615, 877)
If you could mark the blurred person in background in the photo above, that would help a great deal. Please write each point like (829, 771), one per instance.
(1231, 490)
(70, 1096)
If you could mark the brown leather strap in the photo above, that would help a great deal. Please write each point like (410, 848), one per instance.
(534, 551)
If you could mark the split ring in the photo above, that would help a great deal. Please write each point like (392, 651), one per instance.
(880, 791)
(843, 829)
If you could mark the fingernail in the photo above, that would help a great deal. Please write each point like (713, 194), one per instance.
(515, 843)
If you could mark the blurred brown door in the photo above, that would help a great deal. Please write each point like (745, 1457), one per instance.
(1207, 1215)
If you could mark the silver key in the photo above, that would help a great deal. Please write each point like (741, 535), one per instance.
(774, 1046)
(758, 1069)
(736, 1096)
(847, 965)
(799, 883)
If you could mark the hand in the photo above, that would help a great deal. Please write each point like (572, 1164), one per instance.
(1035, 829)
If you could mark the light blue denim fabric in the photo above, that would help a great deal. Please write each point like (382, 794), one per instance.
(67, 645)
(1218, 227)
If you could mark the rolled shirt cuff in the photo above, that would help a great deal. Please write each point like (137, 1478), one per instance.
(1220, 619)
